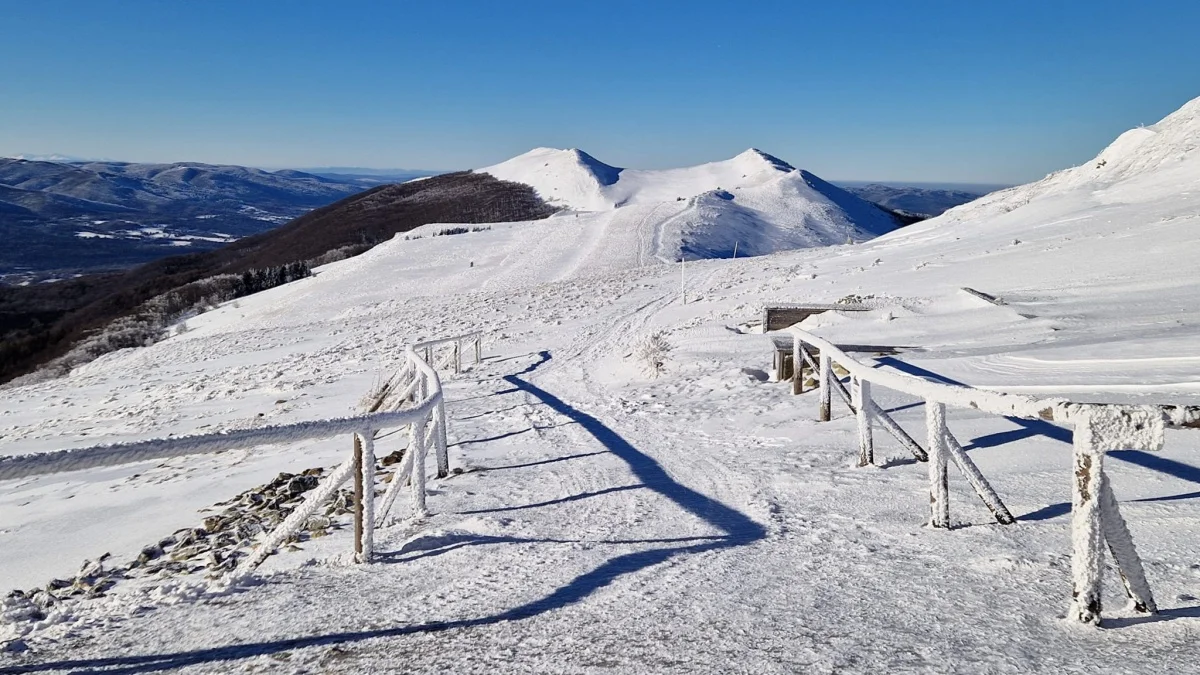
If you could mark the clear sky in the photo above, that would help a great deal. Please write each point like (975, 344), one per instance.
(967, 91)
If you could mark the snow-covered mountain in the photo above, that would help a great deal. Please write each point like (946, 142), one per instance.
(756, 201)
(700, 521)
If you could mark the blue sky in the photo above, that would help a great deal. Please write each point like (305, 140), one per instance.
(959, 91)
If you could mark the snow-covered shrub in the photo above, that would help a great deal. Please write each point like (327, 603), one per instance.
(152, 320)
(651, 353)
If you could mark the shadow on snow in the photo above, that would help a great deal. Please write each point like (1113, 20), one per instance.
(738, 529)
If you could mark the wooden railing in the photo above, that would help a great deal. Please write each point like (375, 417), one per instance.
(1096, 518)
(412, 398)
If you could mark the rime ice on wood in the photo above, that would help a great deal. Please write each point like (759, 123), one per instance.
(966, 466)
(826, 374)
(939, 480)
(860, 393)
(366, 551)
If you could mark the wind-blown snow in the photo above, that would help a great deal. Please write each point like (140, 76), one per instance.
(700, 521)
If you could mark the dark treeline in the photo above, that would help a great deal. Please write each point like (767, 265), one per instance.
(81, 318)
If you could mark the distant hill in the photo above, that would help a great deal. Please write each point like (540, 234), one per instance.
(59, 219)
(915, 200)
(43, 321)
(368, 177)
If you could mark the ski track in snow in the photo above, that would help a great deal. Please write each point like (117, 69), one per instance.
(698, 522)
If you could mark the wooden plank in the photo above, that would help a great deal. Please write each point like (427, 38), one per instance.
(986, 297)
(966, 466)
(1120, 545)
(897, 432)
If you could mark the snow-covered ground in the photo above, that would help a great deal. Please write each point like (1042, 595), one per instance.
(752, 204)
(701, 521)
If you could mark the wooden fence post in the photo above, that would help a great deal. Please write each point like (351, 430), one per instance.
(439, 440)
(1087, 534)
(417, 447)
(939, 480)
(826, 383)
(478, 348)
(358, 499)
(860, 393)
(797, 367)
(365, 504)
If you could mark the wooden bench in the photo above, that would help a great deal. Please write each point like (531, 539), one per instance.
(778, 317)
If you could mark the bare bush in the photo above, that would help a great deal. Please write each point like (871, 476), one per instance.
(651, 353)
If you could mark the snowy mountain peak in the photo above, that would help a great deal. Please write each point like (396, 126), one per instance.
(752, 202)
(754, 156)
(570, 178)
(576, 180)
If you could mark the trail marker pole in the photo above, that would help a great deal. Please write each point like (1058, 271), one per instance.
(682, 287)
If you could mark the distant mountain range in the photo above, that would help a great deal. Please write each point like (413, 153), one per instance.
(917, 201)
(42, 321)
(368, 177)
(68, 218)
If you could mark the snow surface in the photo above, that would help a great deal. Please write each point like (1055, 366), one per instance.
(700, 521)
(756, 201)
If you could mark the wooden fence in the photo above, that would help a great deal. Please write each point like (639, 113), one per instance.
(1096, 519)
(412, 398)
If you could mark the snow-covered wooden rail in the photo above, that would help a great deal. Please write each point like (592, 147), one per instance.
(1096, 519)
(412, 398)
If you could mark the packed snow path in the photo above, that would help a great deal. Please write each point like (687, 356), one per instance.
(568, 546)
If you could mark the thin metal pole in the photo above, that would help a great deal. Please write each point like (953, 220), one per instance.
(682, 287)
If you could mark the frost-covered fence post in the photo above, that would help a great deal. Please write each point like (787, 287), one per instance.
(797, 368)
(1087, 535)
(416, 447)
(457, 357)
(364, 526)
(939, 480)
(358, 498)
(826, 376)
(1095, 515)
(439, 440)
(860, 393)
(478, 348)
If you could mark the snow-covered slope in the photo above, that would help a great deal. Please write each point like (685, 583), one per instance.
(699, 521)
(754, 200)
